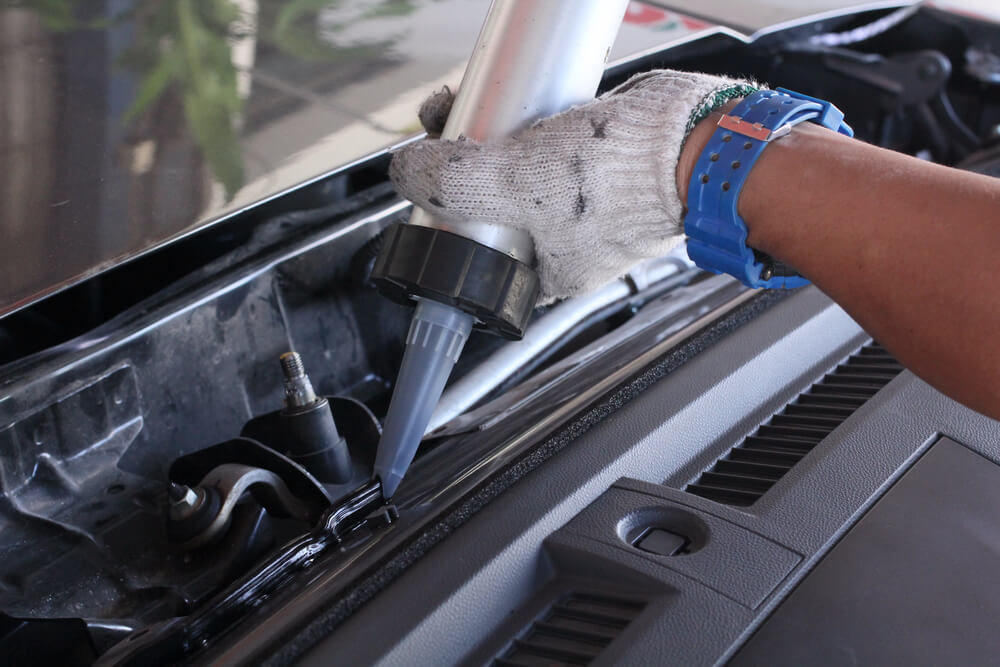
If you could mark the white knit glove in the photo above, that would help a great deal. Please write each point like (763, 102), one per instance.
(594, 186)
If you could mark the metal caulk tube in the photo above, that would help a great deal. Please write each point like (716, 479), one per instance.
(533, 58)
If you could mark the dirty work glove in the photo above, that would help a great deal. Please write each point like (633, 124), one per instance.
(594, 186)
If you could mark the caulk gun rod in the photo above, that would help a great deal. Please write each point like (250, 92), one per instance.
(533, 58)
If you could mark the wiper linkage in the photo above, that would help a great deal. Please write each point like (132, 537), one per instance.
(173, 640)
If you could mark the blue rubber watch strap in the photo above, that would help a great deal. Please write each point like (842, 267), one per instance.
(717, 234)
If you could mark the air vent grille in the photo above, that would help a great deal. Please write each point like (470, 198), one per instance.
(572, 631)
(754, 466)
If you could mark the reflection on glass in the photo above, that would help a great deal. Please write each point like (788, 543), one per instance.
(194, 54)
(125, 124)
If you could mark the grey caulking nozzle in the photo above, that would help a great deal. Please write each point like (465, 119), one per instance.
(433, 345)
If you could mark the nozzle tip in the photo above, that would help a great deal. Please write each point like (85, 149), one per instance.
(390, 482)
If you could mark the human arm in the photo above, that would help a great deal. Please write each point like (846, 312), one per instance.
(909, 248)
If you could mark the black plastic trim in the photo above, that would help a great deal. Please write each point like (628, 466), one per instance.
(574, 630)
(751, 468)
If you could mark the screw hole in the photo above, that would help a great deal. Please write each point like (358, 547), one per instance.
(725, 186)
(713, 157)
(727, 137)
(704, 178)
(736, 164)
(747, 146)
(114, 489)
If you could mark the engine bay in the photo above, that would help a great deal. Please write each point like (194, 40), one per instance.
(158, 504)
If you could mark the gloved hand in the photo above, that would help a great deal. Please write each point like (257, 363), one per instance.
(595, 186)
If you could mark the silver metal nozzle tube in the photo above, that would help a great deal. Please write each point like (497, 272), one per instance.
(533, 58)
(545, 332)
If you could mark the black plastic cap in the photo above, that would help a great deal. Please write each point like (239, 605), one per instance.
(310, 438)
(499, 291)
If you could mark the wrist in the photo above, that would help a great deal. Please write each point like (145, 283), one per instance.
(780, 170)
(694, 144)
(773, 169)
(720, 239)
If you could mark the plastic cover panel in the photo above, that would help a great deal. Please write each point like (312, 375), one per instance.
(914, 582)
(465, 601)
(478, 583)
(730, 559)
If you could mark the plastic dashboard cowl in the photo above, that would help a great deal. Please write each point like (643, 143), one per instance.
(717, 231)
(566, 529)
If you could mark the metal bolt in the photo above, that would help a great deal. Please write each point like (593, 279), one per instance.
(183, 500)
(766, 272)
(181, 495)
(298, 389)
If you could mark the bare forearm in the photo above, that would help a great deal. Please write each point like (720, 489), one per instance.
(910, 249)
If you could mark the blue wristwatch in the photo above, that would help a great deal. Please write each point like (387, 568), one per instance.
(716, 233)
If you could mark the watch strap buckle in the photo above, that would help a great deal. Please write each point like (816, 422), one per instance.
(757, 131)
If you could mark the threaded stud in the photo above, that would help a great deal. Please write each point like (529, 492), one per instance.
(298, 389)
(291, 365)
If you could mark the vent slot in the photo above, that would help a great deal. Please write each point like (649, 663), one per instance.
(755, 465)
(572, 631)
